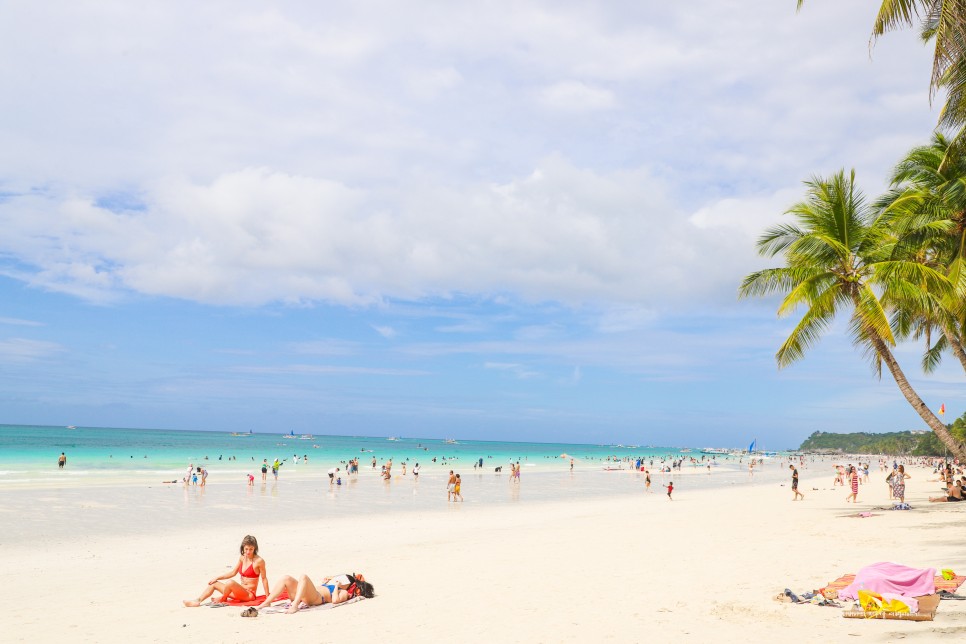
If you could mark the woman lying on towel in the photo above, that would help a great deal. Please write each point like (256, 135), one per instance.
(332, 590)
(250, 566)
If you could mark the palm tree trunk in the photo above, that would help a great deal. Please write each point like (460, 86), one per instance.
(956, 346)
(936, 425)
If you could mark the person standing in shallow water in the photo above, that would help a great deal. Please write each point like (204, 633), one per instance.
(62, 461)
(795, 493)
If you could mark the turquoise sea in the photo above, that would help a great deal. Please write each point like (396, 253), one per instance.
(128, 480)
(29, 453)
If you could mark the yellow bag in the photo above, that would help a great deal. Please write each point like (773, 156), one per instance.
(948, 574)
(875, 603)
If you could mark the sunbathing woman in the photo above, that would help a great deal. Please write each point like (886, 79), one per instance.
(249, 565)
(333, 590)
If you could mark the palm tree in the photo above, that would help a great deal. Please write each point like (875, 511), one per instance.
(838, 257)
(926, 208)
(944, 23)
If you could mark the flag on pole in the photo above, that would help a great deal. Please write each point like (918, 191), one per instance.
(942, 409)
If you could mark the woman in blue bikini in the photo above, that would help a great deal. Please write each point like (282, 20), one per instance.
(332, 590)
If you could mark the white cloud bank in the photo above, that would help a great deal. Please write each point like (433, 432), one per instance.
(622, 152)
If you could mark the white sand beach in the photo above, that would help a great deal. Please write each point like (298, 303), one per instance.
(703, 567)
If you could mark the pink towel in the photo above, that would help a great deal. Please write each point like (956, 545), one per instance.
(893, 578)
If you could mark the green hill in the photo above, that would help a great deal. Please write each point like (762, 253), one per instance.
(914, 444)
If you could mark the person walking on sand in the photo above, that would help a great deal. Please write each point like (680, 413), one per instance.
(795, 493)
(62, 461)
(450, 486)
(416, 472)
(670, 488)
(853, 477)
(456, 489)
(647, 481)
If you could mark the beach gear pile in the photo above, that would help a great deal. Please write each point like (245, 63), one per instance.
(886, 590)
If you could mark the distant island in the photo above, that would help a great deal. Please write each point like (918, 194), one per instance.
(912, 443)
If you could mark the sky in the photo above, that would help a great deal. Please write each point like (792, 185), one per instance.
(501, 220)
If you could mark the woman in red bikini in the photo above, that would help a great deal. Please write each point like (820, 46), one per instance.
(250, 566)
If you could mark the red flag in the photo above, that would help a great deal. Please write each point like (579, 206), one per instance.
(942, 409)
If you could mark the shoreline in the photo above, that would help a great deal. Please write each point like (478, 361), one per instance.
(704, 566)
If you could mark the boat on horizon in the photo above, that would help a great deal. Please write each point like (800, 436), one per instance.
(451, 441)
(72, 427)
(715, 450)
(248, 433)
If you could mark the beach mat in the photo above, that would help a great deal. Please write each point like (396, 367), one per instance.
(231, 601)
(950, 585)
(281, 608)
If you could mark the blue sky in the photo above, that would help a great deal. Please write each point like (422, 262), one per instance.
(511, 221)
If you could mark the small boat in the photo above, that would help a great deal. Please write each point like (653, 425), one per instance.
(72, 427)
(248, 433)
(714, 450)
(451, 441)
(686, 450)
(306, 437)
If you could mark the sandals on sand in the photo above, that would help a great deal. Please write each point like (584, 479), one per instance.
(250, 612)
(945, 594)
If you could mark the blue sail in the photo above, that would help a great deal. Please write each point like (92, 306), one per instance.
(751, 448)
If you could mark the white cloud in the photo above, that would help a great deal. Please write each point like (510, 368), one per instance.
(20, 322)
(24, 350)
(385, 331)
(576, 97)
(353, 153)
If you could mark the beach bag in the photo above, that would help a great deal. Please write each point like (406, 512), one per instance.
(875, 603)
(902, 506)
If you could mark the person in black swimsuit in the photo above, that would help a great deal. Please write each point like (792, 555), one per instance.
(795, 493)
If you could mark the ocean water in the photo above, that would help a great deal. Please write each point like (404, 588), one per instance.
(126, 480)
(28, 454)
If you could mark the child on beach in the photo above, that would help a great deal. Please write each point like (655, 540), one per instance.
(670, 488)
(457, 487)
(251, 480)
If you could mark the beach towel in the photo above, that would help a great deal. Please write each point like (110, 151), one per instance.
(887, 577)
(231, 601)
(949, 585)
(281, 608)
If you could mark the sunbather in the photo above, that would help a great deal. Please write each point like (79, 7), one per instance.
(250, 566)
(954, 493)
(332, 590)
